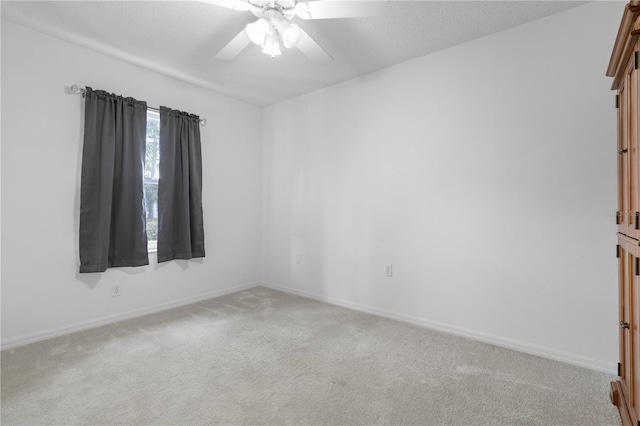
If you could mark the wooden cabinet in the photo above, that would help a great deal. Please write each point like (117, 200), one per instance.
(628, 203)
(626, 391)
(623, 67)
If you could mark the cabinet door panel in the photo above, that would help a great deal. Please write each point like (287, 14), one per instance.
(634, 338)
(626, 355)
(629, 299)
(623, 163)
(624, 308)
(629, 154)
(631, 109)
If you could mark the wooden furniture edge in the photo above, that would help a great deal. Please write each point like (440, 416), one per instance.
(628, 32)
(618, 400)
(627, 239)
(618, 394)
(627, 41)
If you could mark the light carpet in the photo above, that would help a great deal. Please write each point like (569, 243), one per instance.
(263, 357)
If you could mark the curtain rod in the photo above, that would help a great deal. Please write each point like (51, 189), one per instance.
(75, 89)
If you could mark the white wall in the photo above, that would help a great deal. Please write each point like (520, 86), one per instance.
(484, 173)
(42, 293)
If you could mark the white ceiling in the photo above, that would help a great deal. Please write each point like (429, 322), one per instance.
(181, 38)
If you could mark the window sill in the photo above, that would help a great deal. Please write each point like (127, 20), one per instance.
(152, 247)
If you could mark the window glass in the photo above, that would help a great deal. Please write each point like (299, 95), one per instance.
(151, 174)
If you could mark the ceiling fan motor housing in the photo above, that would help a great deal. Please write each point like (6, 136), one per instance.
(274, 22)
(286, 8)
(274, 28)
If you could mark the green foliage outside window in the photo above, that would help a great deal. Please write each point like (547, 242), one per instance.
(151, 174)
(152, 230)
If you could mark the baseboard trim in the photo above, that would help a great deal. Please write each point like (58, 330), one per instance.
(61, 331)
(532, 349)
(570, 358)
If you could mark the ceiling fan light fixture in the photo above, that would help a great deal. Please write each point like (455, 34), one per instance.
(271, 45)
(257, 31)
(302, 10)
(290, 33)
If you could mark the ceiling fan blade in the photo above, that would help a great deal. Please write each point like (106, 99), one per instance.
(230, 4)
(329, 9)
(235, 46)
(312, 49)
(240, 5)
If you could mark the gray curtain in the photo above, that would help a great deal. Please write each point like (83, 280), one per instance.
(180, 227)
(112, 216)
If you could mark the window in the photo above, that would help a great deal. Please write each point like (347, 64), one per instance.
(107, 239)
(151, 175)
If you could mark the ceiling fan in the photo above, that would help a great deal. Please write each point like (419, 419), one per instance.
(274, 27)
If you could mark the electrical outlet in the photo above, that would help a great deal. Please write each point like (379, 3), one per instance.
(299, 259)
(115, 290)
(388, 270)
